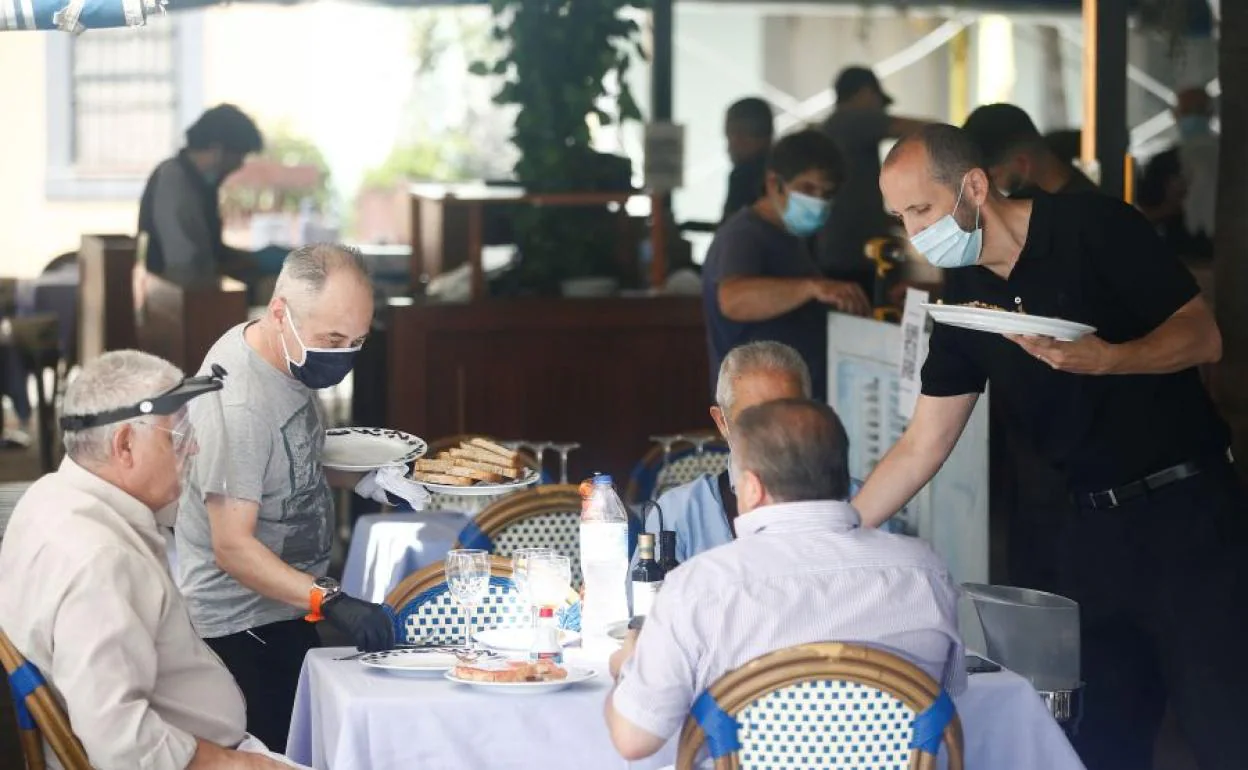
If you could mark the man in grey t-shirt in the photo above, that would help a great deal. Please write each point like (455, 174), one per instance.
(254, 564)
(858, 125)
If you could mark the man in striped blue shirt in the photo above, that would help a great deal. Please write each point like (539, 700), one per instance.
(802, 570)
(702, 512)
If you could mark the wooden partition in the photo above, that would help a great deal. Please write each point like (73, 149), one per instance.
(608, 373)
(105, 295)
(180, 325)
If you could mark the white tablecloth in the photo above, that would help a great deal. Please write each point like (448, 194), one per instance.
(347, 717)
(385, 548)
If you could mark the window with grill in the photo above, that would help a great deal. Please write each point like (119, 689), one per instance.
(124, 99)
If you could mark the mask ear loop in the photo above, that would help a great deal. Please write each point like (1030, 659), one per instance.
(958, 202)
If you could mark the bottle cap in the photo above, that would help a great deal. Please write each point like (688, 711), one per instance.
(645, 540)
(602, 479)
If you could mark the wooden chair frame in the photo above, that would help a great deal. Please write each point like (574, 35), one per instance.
(551, 498)
(824, 660)
(51, 723)
(654, 457)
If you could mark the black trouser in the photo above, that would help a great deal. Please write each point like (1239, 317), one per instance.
(1164, 616)
(266, 667)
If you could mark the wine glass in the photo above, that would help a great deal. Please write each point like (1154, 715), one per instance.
(550, 579)
(521, 558)
(564, 450)
(468, 580)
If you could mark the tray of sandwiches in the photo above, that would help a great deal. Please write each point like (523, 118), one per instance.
(519, 677)
(475, 467)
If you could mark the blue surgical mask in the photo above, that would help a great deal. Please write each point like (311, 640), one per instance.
(1191, 126)
(319, 367)
(805, 214)
(944, 243)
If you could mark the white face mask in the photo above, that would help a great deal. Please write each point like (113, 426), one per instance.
(944, 243)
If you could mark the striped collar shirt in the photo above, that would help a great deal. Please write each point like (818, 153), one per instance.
(798, 573)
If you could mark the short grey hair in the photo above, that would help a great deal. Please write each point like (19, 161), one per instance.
(117, 379)
(306, 270)
(797, 447)
(765, 356)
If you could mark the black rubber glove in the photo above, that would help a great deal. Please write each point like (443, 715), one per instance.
(368, 624)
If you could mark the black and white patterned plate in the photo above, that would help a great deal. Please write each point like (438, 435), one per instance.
(366, 449)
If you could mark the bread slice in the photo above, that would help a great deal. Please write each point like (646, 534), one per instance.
(479, 475)
(442, 478)
(508, 472)
(435, 466)
(490, 446)
(481, 455)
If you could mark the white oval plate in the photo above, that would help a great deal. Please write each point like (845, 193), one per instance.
(410, 662)
(1004, 322)
(576, 675)
(479, 489)
(367, 449)
(519, 639)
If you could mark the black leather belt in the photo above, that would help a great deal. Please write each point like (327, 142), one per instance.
(1112, 498)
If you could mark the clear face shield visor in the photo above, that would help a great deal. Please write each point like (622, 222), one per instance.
(192, 415)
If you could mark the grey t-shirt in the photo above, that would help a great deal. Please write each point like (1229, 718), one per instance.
(274, 437)
(858, 213)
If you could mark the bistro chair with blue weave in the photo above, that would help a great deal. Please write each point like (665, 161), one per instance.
(823, 705)
(425, 613)
(678, 461)
(39, 717)
(542, 517)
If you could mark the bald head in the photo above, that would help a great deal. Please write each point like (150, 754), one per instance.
(790, 450)
(935, 171)
(947, 153)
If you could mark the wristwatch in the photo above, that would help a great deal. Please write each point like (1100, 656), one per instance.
(323, 589)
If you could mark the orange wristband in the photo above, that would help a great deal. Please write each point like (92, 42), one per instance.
(315, 597)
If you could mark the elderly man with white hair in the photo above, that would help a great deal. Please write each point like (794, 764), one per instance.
(85, 590)
(253, 565)
(703, 512)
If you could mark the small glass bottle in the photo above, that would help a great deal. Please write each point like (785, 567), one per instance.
(546, 638)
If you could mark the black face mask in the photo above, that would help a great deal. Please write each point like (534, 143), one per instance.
(320, 367)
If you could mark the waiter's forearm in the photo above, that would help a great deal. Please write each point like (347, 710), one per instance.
(1188, 338)
(252, 564)
(897, 479)
(760, 299)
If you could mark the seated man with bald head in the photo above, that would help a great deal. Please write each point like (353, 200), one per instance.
(703, 512)
(802, 570)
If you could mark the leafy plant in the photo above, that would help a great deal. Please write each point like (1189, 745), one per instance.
(566, 63)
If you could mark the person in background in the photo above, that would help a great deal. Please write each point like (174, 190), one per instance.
(1018, 159)
(180, 210)
(85, 590)
(759, 281)
(253, 566)
(1178, 190)
(858, 125)
(1066, 144)
(749, 129)
(1122, 411)
(801, 570)
(703, 512)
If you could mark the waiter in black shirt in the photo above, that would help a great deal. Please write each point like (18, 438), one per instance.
(1154, 551)
(1018, 159)
(749, 129)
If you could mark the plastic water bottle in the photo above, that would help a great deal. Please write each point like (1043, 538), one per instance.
(604, 559)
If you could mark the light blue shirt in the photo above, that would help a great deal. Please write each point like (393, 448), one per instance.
(695, 512)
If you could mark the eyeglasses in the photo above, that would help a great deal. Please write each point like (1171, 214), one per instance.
(182, 440)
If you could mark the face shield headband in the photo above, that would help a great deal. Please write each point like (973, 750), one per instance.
(166, 403)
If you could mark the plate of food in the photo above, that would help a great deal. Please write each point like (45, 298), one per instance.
(516, 677)
(476, 467)
(412, 661)
(367, 449)
(980, 316)
(519, 639)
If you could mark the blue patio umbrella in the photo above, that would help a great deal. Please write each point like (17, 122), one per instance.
(75, 15)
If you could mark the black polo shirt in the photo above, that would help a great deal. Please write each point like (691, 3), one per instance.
(1093, 259)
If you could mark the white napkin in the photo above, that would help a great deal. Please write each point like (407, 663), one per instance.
(392, 479)
(253, 745)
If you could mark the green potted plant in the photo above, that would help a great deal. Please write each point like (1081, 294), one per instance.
(555, 67)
